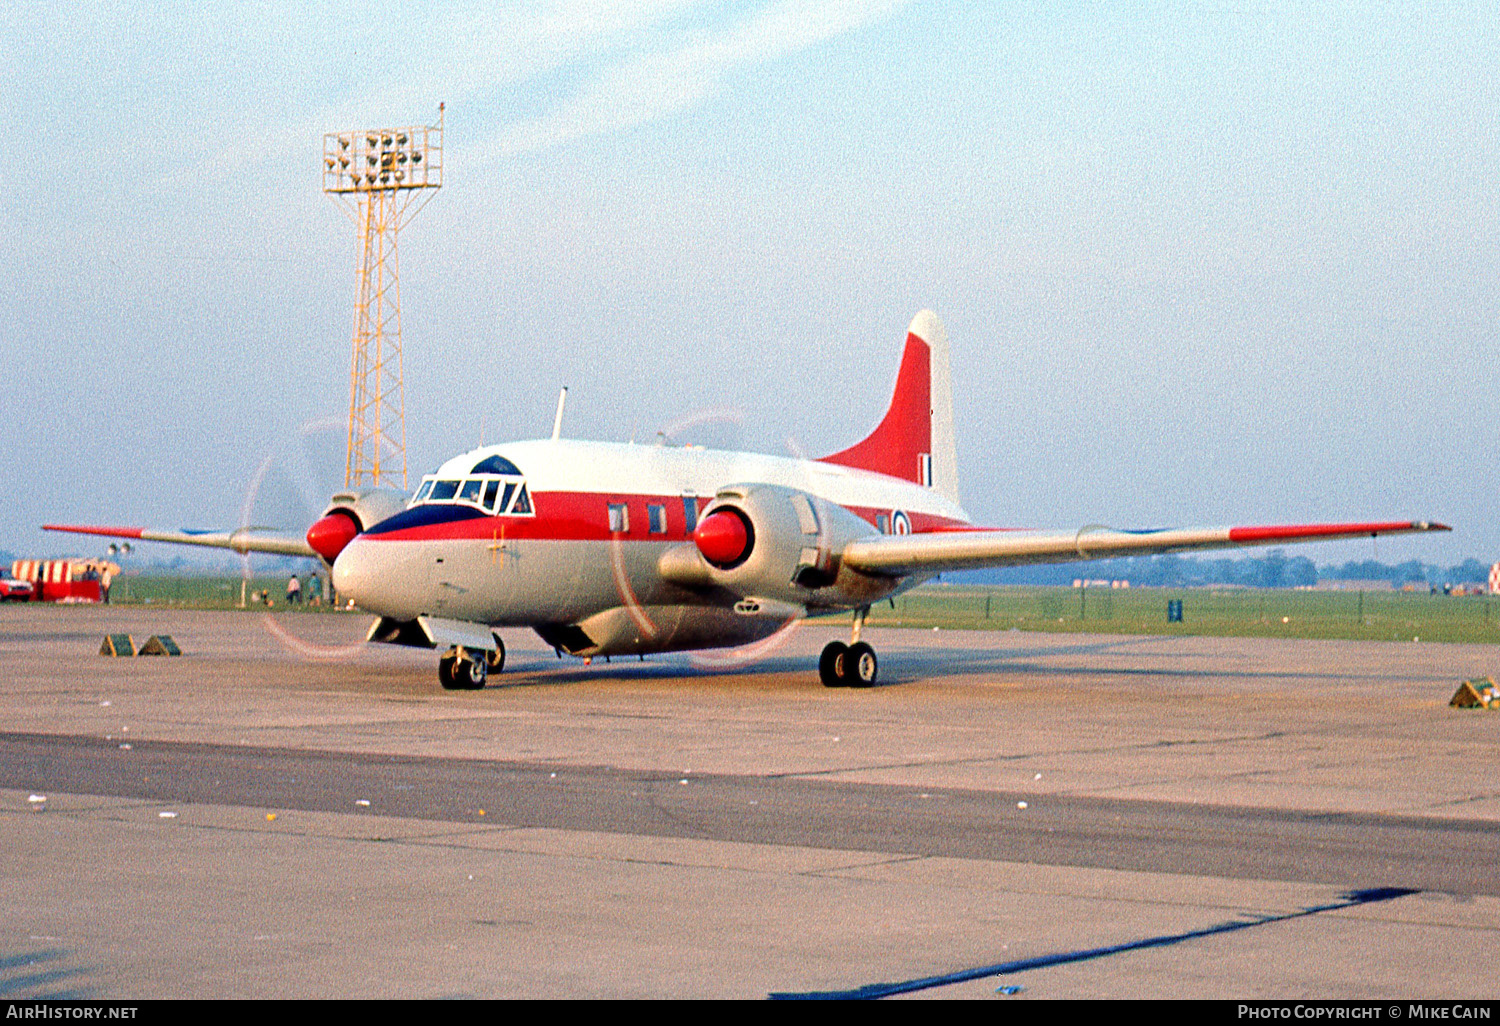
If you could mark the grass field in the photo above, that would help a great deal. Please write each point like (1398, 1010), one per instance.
(200, 591)
(1370, 616)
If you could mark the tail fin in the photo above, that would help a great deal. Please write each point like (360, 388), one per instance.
(915, 440)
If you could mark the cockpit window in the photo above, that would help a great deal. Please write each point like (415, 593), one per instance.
(492, 493)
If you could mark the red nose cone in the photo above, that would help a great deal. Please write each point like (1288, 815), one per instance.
(722, 538)
(329, 536)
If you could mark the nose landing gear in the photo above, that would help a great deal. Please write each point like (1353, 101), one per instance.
(849, 666)
(462, 669)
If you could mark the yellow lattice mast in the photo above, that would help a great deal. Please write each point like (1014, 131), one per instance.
(381, 177)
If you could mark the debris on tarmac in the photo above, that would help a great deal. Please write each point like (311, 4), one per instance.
(38, 802)
(363, 803)
(1010, 988)
(1020, 805)
(166, 815)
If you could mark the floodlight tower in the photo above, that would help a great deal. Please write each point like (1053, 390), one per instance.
(381, 177)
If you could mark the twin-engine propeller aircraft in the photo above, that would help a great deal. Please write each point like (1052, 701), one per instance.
(610, 549)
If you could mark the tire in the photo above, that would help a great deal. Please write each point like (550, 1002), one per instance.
(446, 676)
(860, 666)
(473, 672)
(831, 665)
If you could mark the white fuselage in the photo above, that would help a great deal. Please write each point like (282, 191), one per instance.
(572, 534)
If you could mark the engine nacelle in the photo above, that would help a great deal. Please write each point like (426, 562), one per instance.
(350, 513)
(778, 545)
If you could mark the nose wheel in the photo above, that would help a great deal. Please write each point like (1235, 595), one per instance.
(462, 670)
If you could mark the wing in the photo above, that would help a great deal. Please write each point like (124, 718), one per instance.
(899, 555)
(246, 539)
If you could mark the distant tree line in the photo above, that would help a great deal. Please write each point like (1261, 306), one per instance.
(1275, 569)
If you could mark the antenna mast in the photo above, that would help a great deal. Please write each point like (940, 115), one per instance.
(382, 178)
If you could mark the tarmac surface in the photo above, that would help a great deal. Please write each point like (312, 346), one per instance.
(285, 812)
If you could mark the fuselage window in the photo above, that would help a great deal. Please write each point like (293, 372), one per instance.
(657, 515)
(472, 491)
(510, 489)
(619, 518)
(491, 489)
(690, 512)
(443, 491)
(523, 502)
(422, 492)
(883, 523)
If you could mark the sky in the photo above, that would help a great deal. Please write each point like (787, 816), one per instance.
(1200, 263)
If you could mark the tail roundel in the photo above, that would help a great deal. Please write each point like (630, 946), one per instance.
(914, 441)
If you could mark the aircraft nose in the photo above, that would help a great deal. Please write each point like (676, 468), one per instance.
(353, 573)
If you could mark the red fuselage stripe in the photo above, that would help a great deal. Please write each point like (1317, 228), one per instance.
(584, 516)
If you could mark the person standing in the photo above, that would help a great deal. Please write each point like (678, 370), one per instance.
(293, 591)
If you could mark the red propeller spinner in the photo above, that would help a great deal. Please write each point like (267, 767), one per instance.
(329, 536)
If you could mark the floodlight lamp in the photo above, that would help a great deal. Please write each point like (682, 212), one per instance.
(416, 158)
(370, 140)
(401, 139)
(399, 175)
(343, 142)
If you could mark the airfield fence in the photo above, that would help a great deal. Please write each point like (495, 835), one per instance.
(203, 591)
(1235, 612)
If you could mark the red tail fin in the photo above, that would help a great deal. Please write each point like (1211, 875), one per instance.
(918, 425)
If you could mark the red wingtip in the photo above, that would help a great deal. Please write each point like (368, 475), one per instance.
(108, 532)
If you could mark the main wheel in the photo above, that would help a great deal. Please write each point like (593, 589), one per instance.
(860, 666)
(831, 665)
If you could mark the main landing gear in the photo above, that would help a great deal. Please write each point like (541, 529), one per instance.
(849, 666)
(462, 669)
